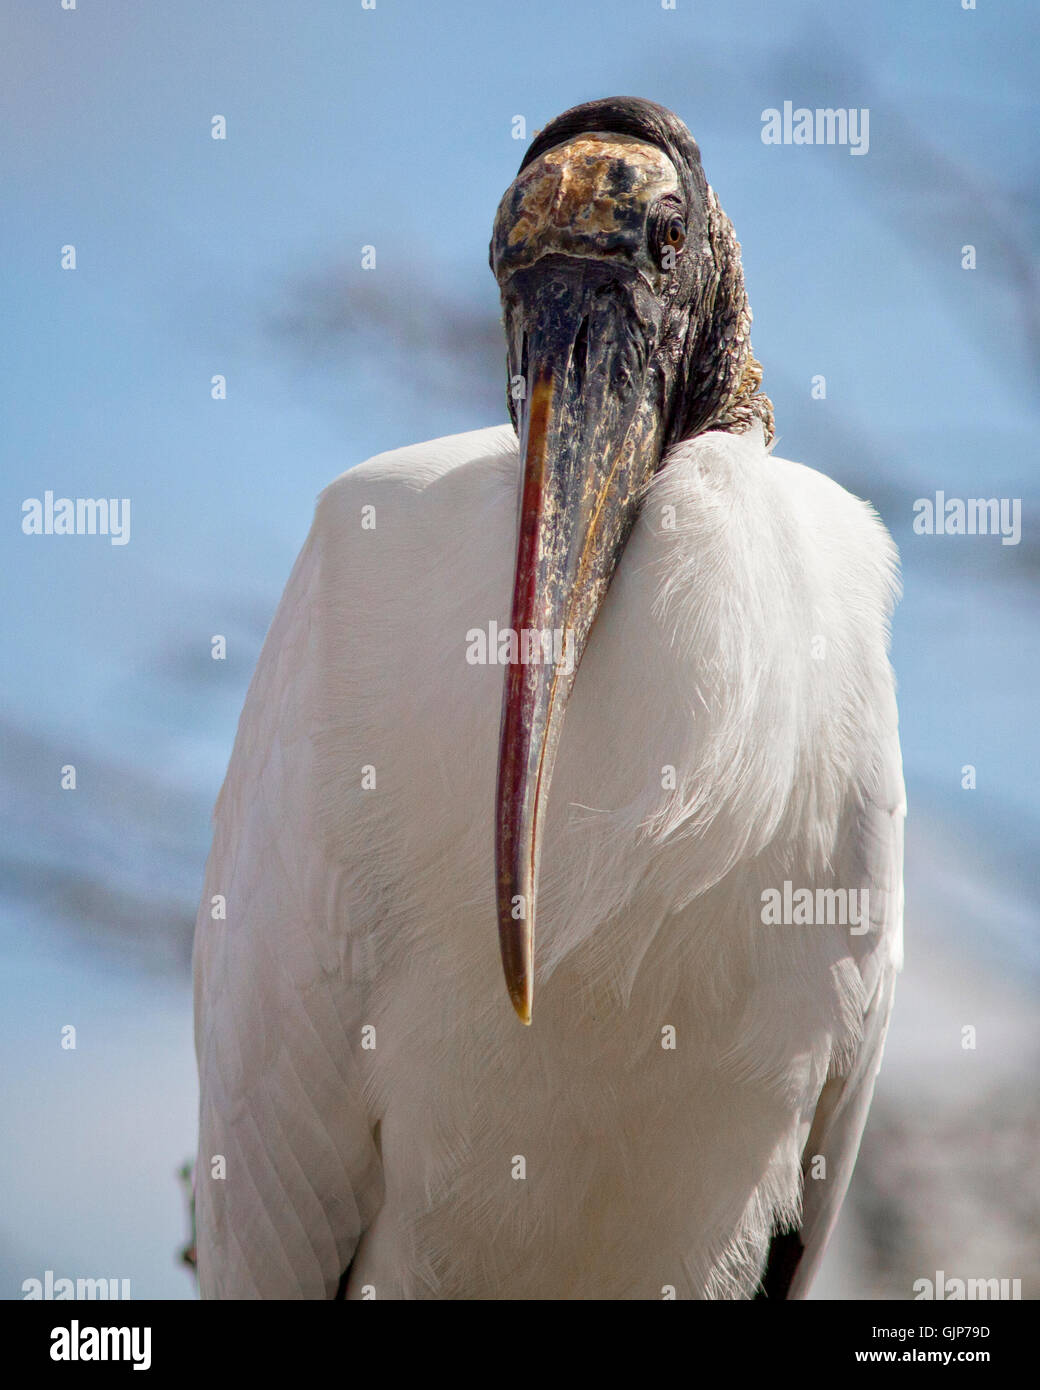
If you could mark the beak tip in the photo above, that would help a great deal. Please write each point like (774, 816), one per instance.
(520, 998)
(522, 1005)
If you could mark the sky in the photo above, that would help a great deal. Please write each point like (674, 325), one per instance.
(393, 127)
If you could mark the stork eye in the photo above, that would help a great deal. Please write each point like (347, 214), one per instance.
(668, 236)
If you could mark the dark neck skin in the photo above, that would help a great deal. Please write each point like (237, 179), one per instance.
(722, 376)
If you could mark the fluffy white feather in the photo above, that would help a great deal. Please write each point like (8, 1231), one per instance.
(646, 1167)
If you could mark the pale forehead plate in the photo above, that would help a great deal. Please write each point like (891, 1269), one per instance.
(589, 158)
(593, 184)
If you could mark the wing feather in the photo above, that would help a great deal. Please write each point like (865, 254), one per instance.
(873, 856)
(288, 1175)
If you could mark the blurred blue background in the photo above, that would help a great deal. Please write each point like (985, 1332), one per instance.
(242, 257)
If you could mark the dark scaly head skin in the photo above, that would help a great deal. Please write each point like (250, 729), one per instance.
(627, 323)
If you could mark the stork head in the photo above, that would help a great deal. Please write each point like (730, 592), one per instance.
(627, 330)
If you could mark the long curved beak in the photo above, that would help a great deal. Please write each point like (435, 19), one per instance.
(591, 431)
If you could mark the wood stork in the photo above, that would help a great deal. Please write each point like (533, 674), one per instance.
(683, 1116)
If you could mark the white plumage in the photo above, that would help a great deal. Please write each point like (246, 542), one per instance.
(743, 646)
